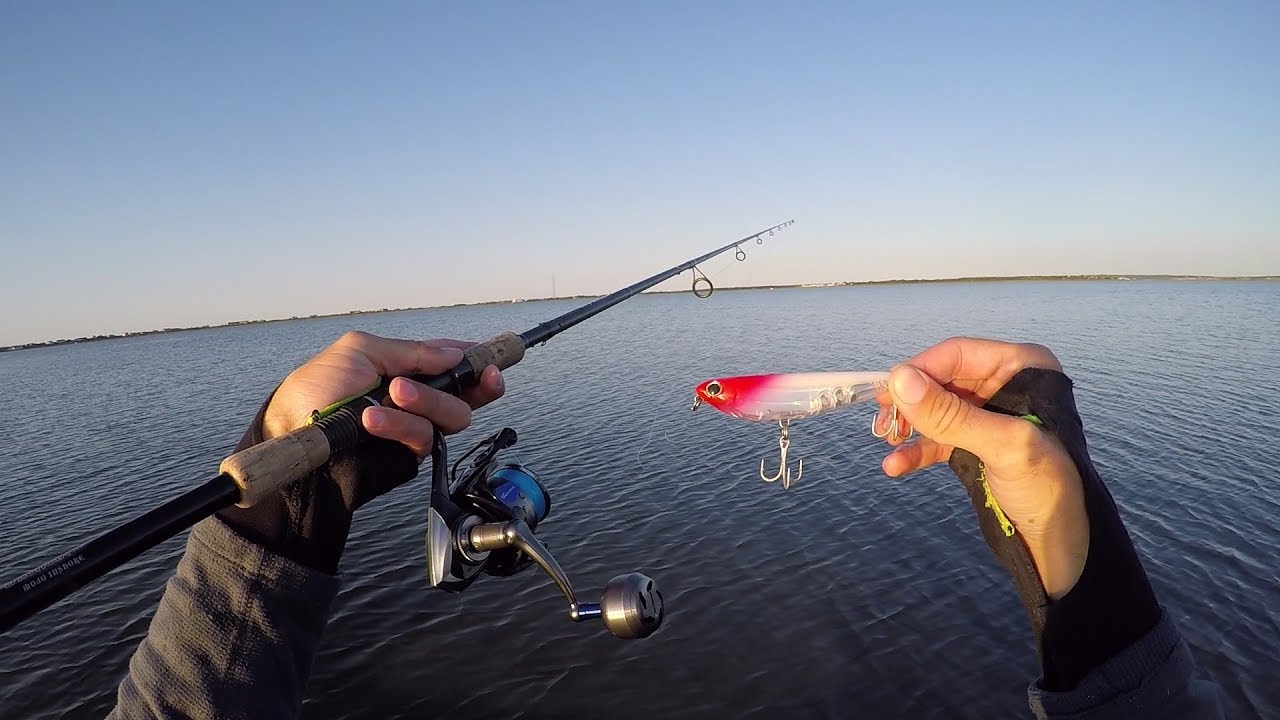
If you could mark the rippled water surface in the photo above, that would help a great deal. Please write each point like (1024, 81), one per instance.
(849, 595)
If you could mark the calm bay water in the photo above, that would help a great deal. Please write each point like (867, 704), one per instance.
(849, 595)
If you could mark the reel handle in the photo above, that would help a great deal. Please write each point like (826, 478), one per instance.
(631, 605)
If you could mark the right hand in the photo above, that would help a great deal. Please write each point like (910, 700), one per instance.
(940, 392)
(356, 361)
(308, 521)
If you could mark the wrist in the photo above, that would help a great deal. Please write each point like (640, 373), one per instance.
(306, 522)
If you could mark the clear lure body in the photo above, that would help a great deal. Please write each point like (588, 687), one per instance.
(786, 397)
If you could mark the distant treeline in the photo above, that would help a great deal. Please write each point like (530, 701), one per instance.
(1012, 278)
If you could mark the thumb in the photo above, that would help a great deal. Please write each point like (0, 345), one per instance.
(943, 417)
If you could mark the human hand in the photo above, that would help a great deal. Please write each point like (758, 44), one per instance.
(356, 362)
(940, 392)
(308, 520)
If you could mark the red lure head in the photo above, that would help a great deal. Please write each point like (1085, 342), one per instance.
(726, 394)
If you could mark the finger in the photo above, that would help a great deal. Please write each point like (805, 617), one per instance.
(491, 385)
(490, 388)
(450, 343)
(914, 456)
(450, 414)
(989, 363)
(393, 357)
(402, 427)
(940, 415)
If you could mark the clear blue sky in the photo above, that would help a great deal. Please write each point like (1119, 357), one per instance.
(172, 164)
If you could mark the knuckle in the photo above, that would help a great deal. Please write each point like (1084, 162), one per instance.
(431, 352)
(354, 338)
(424, 353)
(948, 413)
(1037, 355)
(428, 403)
(392, 424)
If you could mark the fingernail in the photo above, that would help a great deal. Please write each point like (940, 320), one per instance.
(374, 419)
(455, 355)
(885, 467)
(407, 391)
(502, 384)
(909, 385)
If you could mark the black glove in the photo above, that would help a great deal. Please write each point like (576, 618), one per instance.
(1112, 604)
(308, 520)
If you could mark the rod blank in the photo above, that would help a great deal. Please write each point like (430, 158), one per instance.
(38, 589)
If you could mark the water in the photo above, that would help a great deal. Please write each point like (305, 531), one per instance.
(849, 595)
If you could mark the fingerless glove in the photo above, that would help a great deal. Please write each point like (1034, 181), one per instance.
(1112, 604)
(309, 520)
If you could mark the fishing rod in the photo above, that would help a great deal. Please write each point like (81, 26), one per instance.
(483, 521)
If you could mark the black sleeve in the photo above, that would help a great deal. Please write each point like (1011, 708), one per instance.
(1112, 604)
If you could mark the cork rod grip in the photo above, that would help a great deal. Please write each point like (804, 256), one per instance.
(265, 468)
(502, 350)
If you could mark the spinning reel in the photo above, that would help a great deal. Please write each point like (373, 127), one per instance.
(484, 522)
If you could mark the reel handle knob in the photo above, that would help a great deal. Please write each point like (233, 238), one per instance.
(632, 606)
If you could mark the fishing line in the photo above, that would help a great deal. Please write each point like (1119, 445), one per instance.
(740, 255)
(666, 435)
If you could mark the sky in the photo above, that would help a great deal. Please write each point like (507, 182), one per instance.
(180, 164)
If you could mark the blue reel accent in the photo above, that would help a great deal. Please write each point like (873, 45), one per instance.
(517, 487)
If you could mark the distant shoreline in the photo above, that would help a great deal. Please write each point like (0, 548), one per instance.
(979, 279)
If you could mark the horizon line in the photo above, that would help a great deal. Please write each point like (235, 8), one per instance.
(513, 301)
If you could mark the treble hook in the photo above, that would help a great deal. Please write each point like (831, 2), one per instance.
(784, 472)
(892, 426)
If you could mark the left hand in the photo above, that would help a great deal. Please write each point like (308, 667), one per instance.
(941, 392)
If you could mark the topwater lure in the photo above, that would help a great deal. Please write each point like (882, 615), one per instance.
(783, 398)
